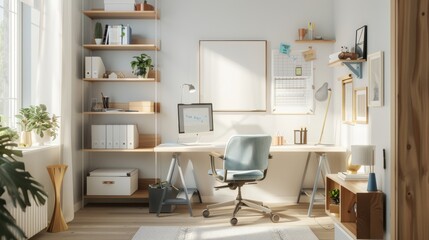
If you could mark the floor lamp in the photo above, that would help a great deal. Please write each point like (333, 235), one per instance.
(191, 89)
(321, 95)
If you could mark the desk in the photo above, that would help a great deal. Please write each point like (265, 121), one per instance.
(319, 150)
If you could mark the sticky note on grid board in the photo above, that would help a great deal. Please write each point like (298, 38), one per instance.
(309, 54)
(284, 48)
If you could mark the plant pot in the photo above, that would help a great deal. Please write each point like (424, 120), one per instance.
(41, 141)
(98, 41)
(25, 139)
(334, 208)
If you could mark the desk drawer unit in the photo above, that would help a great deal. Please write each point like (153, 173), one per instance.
(120, 182)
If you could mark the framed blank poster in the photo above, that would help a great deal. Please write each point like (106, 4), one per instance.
(233, 75)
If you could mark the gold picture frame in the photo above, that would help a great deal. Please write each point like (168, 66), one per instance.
(360, 105)
(375, 79)
(347, 100)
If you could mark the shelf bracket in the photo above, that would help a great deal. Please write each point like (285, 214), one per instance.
(355, 67)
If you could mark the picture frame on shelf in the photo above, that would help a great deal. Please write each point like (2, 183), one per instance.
(347, 100)
(361, 42)
(360, 108)
(375, 79)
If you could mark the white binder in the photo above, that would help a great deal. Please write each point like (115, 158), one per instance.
(109, 136)
(98, 136)
(122, 136)
(94, 67)
(132, 137)
(115, 129)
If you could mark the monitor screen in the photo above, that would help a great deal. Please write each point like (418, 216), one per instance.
(195, 118)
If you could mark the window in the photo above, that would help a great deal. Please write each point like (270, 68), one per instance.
(9, 61)
(20, 59)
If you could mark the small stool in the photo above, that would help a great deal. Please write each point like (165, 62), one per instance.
(56, 172)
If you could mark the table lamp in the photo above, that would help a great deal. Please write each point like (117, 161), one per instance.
(321, 95)
(364, 155)
(191, 89)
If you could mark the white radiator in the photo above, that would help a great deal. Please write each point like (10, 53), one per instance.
(33, 220)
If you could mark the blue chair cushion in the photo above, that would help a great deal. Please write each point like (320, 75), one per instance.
(239, 175)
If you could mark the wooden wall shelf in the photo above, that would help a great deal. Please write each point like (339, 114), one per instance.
(101, 14)
(354, 65)
(129, 47)
(119, 80)
(316, 41)
(360, 212)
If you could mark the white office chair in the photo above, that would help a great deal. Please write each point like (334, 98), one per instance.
(245, 160)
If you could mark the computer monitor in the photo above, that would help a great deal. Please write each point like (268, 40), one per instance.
(195, 118)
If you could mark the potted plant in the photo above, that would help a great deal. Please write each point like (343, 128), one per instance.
(18, 184)
(98, 33)
(334, 195)
(141, 65)
(36, 118)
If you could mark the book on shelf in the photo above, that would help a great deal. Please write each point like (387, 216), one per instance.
(117, 34)
(352, 176)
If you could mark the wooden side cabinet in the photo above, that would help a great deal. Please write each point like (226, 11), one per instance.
(361, 213)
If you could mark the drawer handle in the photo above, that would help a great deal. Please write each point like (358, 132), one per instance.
(108, 182)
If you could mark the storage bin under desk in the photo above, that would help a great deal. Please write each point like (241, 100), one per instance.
(118, 182)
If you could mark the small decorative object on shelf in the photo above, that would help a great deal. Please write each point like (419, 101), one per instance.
(334, 195)
(141, 65)
(310, 30)
(98, 33)
(345, 54)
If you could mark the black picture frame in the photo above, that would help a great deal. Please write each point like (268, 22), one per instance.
(361, 42)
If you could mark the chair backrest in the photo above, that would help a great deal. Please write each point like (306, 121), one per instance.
(247, 152)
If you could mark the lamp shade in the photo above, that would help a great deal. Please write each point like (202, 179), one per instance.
(191, 89)
(363, 154)
(322, 93)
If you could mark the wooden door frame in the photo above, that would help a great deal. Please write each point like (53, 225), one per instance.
(393, 221)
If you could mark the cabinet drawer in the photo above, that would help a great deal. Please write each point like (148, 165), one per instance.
(112, 185)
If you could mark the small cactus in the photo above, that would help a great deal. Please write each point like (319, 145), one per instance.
(98, 32)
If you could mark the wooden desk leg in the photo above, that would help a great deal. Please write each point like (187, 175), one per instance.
(56, 172)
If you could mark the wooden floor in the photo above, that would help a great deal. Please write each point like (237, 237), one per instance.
(117, 222)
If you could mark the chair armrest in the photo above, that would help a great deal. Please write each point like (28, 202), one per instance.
(213, 156)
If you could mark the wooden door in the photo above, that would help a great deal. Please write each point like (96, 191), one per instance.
(412, 115)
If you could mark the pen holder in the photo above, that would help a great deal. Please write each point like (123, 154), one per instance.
(105, 102)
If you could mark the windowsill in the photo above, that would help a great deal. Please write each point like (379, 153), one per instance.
(35, 149)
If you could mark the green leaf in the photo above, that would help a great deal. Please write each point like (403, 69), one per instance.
(18, 184)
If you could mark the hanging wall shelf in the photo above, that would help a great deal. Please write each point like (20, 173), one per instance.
(354, 65)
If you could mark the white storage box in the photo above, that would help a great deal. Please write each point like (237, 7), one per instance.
(119, 5)
(112, 182)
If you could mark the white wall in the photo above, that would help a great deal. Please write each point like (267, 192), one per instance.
(184, 23)
(375, 14)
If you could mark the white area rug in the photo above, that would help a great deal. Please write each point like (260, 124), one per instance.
(225, 233)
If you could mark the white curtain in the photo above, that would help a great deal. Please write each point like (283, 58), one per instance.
(52, 86)
(69, 147)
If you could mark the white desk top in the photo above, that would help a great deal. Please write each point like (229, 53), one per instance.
(220, 147)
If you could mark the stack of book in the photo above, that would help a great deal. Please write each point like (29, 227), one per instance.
(117, 34)
(350, 176)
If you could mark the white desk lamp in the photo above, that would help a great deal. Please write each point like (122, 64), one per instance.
(321, 95)
(364, 155)
(191, 89)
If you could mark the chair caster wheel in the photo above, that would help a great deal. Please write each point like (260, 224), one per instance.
(206, 213)
(233, 221)
(274, 218)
